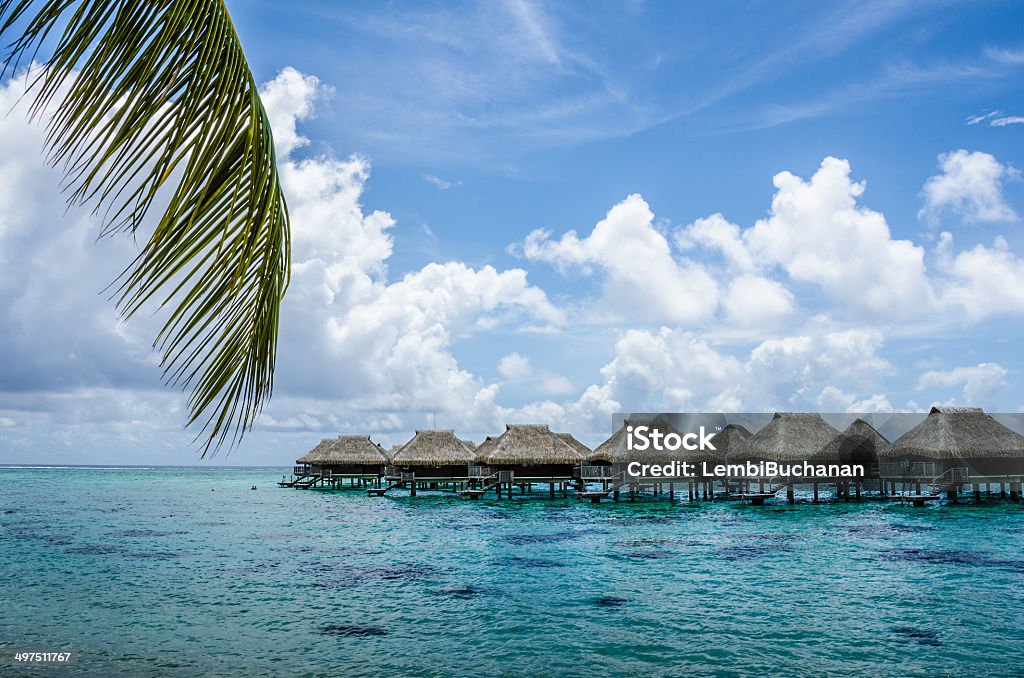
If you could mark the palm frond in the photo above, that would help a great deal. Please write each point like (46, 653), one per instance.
(151, 98)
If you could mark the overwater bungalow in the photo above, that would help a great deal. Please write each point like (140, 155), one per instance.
(609, 462)
(432, 457)
(859, 443)
(957, 445)
(789, 438)
(353, 457)
(531, 453)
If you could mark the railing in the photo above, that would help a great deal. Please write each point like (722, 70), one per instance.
(951, 478)
(923, 471)
(300, 470)
(390, 471)
(506, 476)
(408, 477)
(325, 473)
(477, 472)
(592, 472)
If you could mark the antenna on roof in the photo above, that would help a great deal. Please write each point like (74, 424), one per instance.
(433, 413)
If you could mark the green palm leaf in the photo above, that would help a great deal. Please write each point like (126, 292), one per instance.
(153, 100)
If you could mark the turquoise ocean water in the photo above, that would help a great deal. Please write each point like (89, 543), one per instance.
(188, 572)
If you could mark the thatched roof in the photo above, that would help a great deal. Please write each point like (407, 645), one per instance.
(725, 441)
(531, 444)
(789, 436)
(959, 433)
(433, 448)
(575, 444)
(484, 448)
(392, 451)
(859, 441)
(613, 450)
(345, 450)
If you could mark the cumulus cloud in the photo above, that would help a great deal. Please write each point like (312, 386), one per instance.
(980, 383)
(360, 341)
(641, 278)
(969, 188)
(757, 302)
(834, 399)
(982, 281)
(515, 367)
(363, 350)
(676, 370)
(355, 347)
(818, 233)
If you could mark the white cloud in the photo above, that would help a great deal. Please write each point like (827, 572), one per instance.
(361, 349)
(981, 117)
(833, 399)
(673, 370)
(819, 234)
(981, 282)
(288, 99)
(515, 367)
(1008, 120)
(756, 302)
(970, 188)
(717, 233)
(354, 347)
(981, 382)
(641, 279)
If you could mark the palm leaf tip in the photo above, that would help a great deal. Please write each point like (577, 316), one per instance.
(155, 97)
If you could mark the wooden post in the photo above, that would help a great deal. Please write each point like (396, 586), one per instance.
(857, 485)
(671, 491)
(551, 486)
(412, 489)
(815, 491)
(977, 491)
(789, 494)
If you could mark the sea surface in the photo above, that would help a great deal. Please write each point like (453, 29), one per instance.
(189, 572)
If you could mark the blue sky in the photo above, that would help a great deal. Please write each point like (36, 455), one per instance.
(523, 211)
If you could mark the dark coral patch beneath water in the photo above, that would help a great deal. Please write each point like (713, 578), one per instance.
(352, 630)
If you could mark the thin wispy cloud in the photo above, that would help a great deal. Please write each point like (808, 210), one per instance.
(1005, 56)
(982, 117)
(439, 183)
(1008, 120)
(995, 119)
(896, 80)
